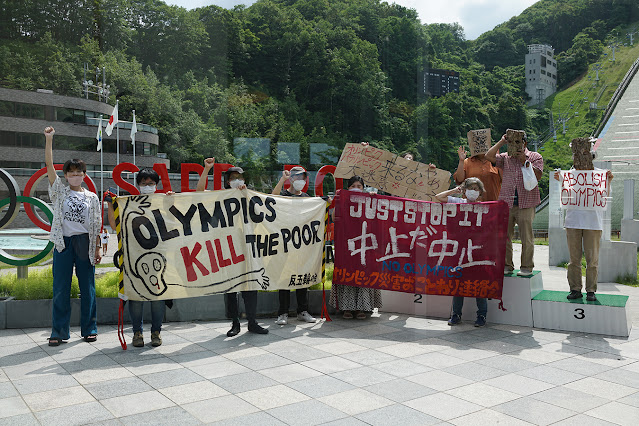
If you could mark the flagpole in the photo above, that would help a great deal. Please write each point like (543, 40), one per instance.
(133, 140)
(117, 143)
(101, 162)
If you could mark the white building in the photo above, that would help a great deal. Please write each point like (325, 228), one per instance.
(541, 73)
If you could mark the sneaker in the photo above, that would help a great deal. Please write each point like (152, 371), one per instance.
(454, 319)
(138, 340)
(235, 329)
(282, 319)
(590, 296)
(156, 340)
(254, 327)
(574, 294)
(480, 321)
(306, 317)
(524, 272)
(508, 270)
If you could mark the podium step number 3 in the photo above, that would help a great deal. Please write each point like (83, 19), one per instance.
(608, 315)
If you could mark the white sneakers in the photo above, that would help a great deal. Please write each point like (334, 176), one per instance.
(524, 272)
(304, 316)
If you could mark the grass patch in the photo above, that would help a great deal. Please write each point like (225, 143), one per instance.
(39, 285)
(629, 280)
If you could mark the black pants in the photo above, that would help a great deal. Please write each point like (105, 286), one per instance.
(250, 303)
(285, 300)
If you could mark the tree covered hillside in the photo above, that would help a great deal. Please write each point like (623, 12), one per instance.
(296, 71)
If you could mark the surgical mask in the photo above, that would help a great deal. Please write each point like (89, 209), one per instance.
(236, 183)
(355, 189)
(75, 180)
(472, 194)
(147, 189)
(298, 185)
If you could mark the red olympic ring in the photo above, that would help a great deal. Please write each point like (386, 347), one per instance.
(33, 181)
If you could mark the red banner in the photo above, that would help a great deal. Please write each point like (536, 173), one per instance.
(398, 244)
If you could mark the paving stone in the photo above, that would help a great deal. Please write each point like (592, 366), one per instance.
(244, 382)
(518, 384)
(483, 394)
(570, 398)
(487, 417)
(397, 414)
(290, 373)
(219, 369)
(603, 388)
(439, 380)
(631, 400)
(617, 413)
(38, 384)
(400, 390)
(166, 416)
(363, 376)
(622, 377)
(551, 375)
(266, 360)
(317, 387)
(262, 419)
(7, 390)
(474, 371)
(443, 406)
(74, 415)
(165, 379)
(220, 409)
(331, 364)
(118, 387)
(57, 398)
(369, 357)
(355, 401)
(534, 411)
(136, 403)
(401, 367)
(581, 420)
(12, 406)
(192, 392)
(271, 397)
(19, 420)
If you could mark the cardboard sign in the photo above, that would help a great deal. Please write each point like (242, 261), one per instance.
(584, 189)
(391, 173)
(515, 140)
(479, 141)
(581, 153)
(202, 243)
(414, 246)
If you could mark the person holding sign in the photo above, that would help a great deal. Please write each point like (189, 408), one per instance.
(478, 166)
(146, 180)
(75, 228)
(234, 179)
(297, 178)
(521, 200)
(355, 302)
(472, 190)
(583, 227)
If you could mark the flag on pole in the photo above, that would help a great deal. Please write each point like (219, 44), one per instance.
(98, 135)
(134, 129)
(113, 120)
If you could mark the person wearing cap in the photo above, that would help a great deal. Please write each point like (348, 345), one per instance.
(521, 202)
(297, 178)
(234, 179)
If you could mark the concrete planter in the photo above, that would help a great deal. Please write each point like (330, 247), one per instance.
(37, 313)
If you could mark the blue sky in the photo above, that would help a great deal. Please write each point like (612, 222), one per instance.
(476, 16)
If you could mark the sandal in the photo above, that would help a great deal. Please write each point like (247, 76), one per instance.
(91, 338)
(347, 315)
(361, 315)
(54, 341)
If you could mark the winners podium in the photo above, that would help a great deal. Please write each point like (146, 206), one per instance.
(527, 304)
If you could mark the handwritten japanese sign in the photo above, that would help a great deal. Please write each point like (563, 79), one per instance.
(479, 141)
(417, 247)
(584, 189)
(391, 173)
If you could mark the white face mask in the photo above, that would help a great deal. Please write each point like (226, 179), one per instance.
(471, 194)
(75, 180)
(298, 185)
(355, 189)
(147, 189)
(236, 183)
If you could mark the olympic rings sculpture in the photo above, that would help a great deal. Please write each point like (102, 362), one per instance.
(15, 199)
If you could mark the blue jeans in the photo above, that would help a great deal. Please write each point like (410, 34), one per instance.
(76, 252)
(136, 310)
(458, 304)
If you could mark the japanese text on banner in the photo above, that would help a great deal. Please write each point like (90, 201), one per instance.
(420, 247)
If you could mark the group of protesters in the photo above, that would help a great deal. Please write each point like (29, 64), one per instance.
(485, 176)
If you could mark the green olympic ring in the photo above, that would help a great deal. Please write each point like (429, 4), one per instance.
(19, 261)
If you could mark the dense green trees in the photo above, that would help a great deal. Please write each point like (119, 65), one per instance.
(307, 71)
